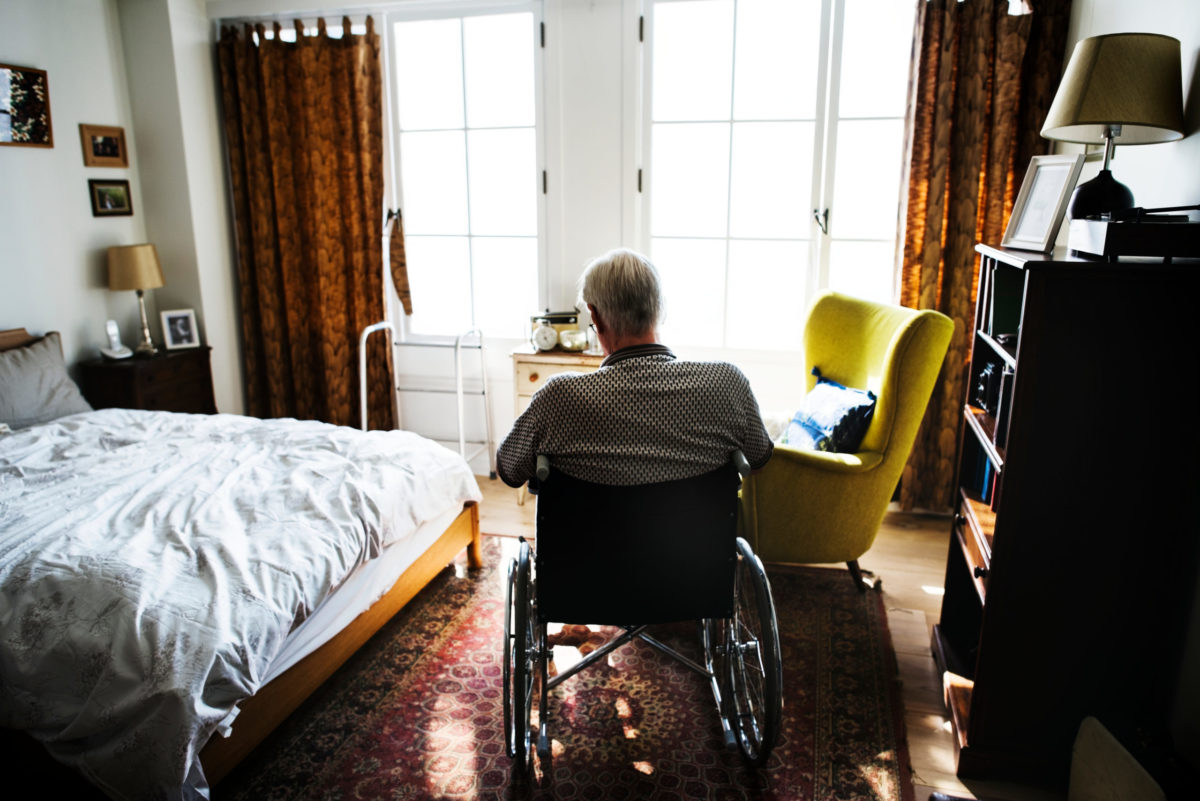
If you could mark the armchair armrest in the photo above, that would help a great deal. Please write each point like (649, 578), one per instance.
(861, 462)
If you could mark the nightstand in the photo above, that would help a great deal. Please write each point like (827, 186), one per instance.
(174, 381)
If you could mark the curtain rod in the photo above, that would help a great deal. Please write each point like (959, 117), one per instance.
(239, 15)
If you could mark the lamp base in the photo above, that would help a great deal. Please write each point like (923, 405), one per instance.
(146, 347)
(1100, 195)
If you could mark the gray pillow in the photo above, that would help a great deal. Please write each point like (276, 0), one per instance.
(34, 385)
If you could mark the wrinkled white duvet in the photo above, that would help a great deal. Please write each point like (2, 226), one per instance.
(151, 565)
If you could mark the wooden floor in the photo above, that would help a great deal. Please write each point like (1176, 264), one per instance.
(909, 556)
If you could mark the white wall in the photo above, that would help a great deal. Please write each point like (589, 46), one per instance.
(52, 261)
(145, 66)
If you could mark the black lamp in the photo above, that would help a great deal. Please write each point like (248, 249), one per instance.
(1119, 89)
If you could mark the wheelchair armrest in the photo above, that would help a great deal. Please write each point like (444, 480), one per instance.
(740, 463)
(860, 462)
(543, 467)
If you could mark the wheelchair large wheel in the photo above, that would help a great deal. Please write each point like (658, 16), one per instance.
(754, 672)
(519, 659)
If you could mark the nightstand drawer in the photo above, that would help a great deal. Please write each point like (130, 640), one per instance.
(529, 377)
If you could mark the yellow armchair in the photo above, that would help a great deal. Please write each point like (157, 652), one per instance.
(816, 507)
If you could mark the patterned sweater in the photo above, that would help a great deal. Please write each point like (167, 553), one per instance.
(643, 417)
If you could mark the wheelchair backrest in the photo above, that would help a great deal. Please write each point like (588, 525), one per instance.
(632, 555)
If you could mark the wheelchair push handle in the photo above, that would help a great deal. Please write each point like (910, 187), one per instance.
(543, 467)
(741, 463)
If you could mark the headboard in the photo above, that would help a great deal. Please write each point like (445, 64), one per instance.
(15, 338)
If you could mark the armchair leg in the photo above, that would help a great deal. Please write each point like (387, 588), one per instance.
(863, 579)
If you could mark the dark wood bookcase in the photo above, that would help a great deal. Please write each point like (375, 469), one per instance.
(1072, 566)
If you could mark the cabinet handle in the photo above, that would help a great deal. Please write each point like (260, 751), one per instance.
(980, 572)
(960, 520)
(533, 377)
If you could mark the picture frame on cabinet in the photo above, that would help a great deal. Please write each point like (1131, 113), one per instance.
(1042, 202)
(103, 146)
(179, 329)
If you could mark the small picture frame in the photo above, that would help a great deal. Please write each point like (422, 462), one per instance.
(103, 146)
(179, 329)
(110, 198)
(1040, 205)
(25, 107)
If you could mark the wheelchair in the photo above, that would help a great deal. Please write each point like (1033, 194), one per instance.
(631, 557)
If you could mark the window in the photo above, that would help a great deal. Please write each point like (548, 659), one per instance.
(761, 115)
(465, 110)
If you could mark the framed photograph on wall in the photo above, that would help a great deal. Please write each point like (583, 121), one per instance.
(1040, 205)
(179, 329)
(110, 198)
(103, 146)
(25, 107)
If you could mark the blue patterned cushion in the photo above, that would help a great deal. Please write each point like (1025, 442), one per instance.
(833, 418)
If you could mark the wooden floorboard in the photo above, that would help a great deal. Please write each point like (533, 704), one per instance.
(909, 556)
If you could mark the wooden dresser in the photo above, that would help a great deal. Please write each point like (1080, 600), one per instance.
(1072, 568)
(174, 381)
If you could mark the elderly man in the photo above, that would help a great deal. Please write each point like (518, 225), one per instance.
(644, 416)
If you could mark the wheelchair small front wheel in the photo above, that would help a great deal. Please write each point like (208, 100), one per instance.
(519, 658)
(754, 670)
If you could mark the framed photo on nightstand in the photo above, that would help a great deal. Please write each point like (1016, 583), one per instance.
(179, 329)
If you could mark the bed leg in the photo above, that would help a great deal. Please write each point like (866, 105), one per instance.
(474, 552)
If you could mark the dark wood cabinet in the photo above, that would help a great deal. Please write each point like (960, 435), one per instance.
(174, 381)
(1073, 560)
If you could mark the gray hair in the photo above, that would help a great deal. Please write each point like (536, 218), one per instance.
(624, 286)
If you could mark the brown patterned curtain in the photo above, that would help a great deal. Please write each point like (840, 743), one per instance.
(304, 134)
(982, 84)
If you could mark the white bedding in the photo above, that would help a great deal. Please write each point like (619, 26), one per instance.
(152, 565)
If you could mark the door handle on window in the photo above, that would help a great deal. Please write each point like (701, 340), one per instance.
(822, 218)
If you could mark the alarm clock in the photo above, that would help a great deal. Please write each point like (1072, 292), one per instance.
(545, 337)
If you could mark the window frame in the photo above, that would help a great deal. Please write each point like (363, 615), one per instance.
(824, 156)
(393, 183)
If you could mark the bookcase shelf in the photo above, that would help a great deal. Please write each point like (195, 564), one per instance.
(1072, 564)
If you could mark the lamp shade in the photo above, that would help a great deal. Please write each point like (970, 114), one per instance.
(1127, 79)
(134, 267)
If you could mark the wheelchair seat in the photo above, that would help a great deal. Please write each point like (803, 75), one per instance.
(630, 557)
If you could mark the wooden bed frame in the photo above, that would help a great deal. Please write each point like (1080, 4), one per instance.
(266, 709)
(262, 712)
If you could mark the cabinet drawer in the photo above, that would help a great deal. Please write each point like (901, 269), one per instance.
(531, 376)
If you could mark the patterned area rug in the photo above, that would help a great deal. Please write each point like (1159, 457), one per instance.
(416, 714)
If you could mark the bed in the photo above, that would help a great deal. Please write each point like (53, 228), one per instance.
(172, 586)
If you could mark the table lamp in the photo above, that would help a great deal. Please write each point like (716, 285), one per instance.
(1119, 89)
(136, 267)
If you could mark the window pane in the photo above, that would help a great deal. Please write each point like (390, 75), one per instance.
(866, 189)
(693, 284)
(689, 179)
(863, 269)
(428, 62)
(439, 280)
(876, 51)
(433, 166)
(778, 48)
(766, 294)
(771, 192)
(499, 62)
(503, 182)
(506, 291)
(693, 57)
